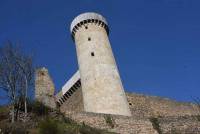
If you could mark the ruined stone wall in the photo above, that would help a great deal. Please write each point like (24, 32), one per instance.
(172, 117)
(73, 104)
(44, 88)
(179, 125)
(140, 105)
(147, 106)
(121, 124)
(138, 125)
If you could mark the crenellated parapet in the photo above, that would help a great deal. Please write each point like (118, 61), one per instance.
(88, 18)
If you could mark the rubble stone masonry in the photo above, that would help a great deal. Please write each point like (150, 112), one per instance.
(44, 88)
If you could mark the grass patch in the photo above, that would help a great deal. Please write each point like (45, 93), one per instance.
(196, 117)
(4, 113)
(110, 121)
(85, 129)
(174, 131)
(51, 126)
(46, 121)
(155, 124)
(38, 108)
(14, 128)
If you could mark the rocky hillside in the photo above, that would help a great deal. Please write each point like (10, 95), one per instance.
(42, 120)
(150, 115)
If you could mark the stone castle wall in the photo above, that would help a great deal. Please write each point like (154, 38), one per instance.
(179, 125)
(121, 124)
(147, 106)
(138, 125)
(140, 105)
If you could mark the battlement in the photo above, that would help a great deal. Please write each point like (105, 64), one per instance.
(85, 18)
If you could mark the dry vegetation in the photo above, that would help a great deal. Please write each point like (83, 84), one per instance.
(43, 120)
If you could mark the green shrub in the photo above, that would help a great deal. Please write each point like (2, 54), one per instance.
(84, 129)
(15, 128)
(155, 124)
(175, 131)
(38, 108)
(5, 127)
(50, 126)
(66, 119)
(110, 121)
(4, 113)
(18, 130)
(197, 117)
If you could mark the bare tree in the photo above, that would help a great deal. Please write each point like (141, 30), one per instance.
(25, 64)
(16, 75)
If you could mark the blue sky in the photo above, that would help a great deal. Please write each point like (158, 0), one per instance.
(156, 43)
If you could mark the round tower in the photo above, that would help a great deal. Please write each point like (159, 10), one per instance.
(101, 84)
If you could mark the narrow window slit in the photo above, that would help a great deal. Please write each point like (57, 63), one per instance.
(92, 53)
